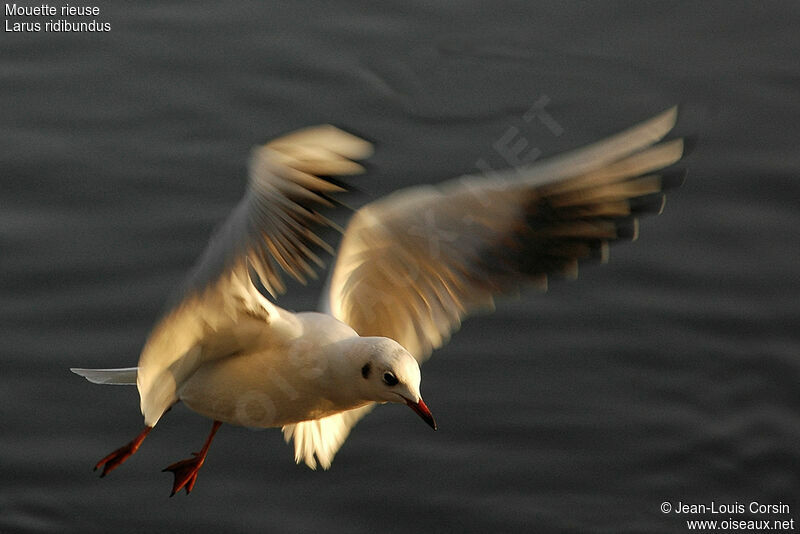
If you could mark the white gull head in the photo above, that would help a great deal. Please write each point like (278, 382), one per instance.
(386, 372)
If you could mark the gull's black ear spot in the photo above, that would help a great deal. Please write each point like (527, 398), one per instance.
(365, 370)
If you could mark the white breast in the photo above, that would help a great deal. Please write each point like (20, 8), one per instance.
(278, 382)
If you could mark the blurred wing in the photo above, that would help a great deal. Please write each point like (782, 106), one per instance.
(219, 311)
(276, 223)
(412, 265)
(322, 437)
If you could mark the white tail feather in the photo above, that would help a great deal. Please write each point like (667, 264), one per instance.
(119, 377)
(322, 437)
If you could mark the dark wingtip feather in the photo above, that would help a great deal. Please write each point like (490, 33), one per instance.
(689, 144)
(652, 203)
(673, 178)
(628, 228)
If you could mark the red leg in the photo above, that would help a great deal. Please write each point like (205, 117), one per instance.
(186, 471)
(116, 458)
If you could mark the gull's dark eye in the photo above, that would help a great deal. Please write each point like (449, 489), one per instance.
(390, 379)
(365, 370)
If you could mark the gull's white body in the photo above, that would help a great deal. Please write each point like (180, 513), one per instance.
(293, 371)
(232, 355)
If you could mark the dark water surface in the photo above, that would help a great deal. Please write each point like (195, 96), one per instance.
(670, 374)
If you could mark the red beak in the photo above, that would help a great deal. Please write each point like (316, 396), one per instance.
(423, 411)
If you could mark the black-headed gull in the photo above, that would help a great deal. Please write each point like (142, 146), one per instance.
(410, 266)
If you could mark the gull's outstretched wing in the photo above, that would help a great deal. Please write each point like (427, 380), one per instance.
(273, 226)
(413, 264)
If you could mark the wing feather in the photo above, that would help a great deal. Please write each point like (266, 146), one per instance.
(411, 266)
(218, 310)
